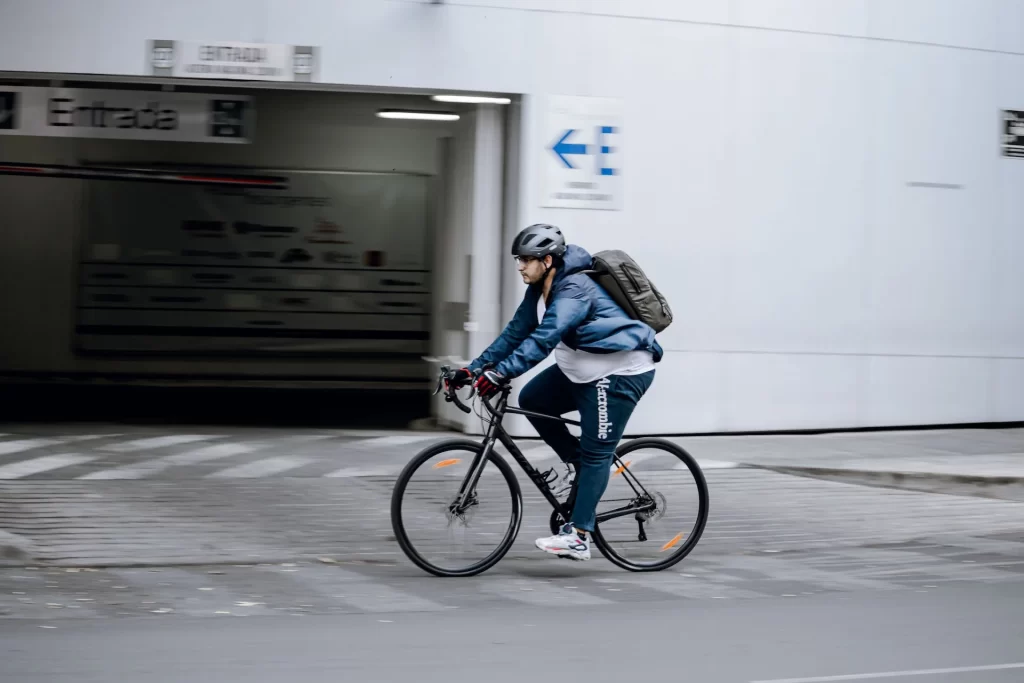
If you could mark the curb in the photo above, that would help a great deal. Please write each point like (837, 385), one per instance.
(1002, 487)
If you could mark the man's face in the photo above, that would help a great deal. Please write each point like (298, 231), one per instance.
(532, 269)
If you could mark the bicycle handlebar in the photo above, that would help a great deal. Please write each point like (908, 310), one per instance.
(452, 397)
(449, 395)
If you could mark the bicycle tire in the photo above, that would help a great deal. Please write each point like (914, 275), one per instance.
(702, 512)
(408, 547)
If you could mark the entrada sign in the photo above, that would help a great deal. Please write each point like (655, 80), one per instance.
(125, 114)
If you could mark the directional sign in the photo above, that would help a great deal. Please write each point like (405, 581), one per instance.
(582, 161)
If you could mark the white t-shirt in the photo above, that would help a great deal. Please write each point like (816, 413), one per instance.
(582, 367)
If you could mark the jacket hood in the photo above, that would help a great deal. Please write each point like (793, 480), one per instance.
(574, 260)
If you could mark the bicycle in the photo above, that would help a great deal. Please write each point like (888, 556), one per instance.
(462, 506)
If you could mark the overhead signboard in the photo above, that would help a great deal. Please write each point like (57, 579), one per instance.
(233, 60)
(126, 114)
(582, 156)
(1013, 133)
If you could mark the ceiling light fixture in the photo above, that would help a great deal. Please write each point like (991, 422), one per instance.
(417, 115)
(471, 99)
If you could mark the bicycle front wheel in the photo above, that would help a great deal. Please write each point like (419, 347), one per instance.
(437, 535)
(655, 507)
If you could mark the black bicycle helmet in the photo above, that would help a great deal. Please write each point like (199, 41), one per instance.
(539, 240)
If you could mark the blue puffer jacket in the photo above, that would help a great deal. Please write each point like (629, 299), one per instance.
(580, 313)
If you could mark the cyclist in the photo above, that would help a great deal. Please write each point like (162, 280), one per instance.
(604, 364)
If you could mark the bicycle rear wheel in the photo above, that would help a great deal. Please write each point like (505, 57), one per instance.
(661, 476)
(442, 540)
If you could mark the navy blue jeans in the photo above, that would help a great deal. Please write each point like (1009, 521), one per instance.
(604, 406)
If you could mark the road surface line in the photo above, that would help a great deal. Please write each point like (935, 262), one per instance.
(156, 442)
(158, 465)
(261, 468)
(387, 441)
(26, 468)
(8, 447)
(539, 454)
(896, 674)
(364, 471)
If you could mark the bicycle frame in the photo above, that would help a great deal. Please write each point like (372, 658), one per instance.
(496, 433)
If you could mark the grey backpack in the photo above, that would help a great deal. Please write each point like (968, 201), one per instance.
(628, 285)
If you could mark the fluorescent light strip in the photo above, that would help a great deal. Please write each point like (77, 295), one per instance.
(471, 99)
(418, 115)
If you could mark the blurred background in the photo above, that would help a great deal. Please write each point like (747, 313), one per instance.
(240, 237)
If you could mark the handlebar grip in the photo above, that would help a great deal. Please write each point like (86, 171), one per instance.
(454, 398)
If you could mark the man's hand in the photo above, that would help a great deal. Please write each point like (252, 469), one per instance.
(488, 383)
(460, 378)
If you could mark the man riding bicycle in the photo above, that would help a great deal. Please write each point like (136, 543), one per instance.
(604, 365)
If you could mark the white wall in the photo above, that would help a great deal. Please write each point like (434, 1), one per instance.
(768, 144)
(468, 240)
(40, 219)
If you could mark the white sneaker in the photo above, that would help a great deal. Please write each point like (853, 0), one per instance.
(566, 544)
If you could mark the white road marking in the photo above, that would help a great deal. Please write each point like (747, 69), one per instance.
(87, 437)
(7, 447)
(158, 465)
(540, 593)
(261, 468)
(396, 440)
(538, 454)
(896, 674)
(364, 471)
(45, 463)
(713, 465)
(157, 442)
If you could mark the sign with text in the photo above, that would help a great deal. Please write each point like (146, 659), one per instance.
(334, 265)
(233, 60)
(125, 114)
(582, 156)
(1013, 133)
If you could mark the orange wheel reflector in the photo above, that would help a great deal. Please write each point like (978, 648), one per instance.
(447, 463)
(672, 544)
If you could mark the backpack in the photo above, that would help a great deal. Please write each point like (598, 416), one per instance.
(629, 286)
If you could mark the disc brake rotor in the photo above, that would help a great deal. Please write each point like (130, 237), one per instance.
(659, 508)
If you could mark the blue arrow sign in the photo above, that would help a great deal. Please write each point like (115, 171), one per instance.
(563, 148)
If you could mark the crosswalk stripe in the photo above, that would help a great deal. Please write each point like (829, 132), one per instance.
(539, 454)
(397, 440)
(158, 465)
(711, 465)
(261, 468)
(364, 471)
(8, 447)
(157, 442)
(356, 590)
(87, 437)
(541, 593)
(45, 463)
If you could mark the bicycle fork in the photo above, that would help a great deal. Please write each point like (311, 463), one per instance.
(467, 492)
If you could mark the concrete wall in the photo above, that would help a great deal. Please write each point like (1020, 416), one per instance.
(468, 241)
(816, 186)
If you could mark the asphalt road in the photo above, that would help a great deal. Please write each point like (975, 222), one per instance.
(958, 634)
(269, 557)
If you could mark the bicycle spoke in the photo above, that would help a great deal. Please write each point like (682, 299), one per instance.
(653, 514)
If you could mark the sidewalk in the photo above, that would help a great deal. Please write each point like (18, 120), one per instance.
(969, 461)
(123, 495)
